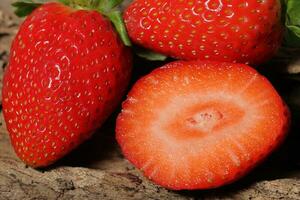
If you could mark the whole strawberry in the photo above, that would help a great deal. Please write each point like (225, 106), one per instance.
(247, 31)
(67, 72)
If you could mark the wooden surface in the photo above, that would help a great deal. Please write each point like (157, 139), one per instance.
(97, 170)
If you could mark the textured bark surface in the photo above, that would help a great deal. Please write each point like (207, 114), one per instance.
(97, 170)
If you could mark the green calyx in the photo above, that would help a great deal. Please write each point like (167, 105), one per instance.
(108, 8)
(100, 5)
(291, 10)
(25, 7)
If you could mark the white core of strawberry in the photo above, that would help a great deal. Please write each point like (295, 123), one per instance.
(205, 120)
(208, 122)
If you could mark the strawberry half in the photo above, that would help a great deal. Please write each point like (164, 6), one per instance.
(247, 31)
(68, 70)
(200, 125)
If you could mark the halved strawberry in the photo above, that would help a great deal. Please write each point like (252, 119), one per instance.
(200, 125)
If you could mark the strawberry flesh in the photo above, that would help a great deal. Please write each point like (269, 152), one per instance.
(200, 125)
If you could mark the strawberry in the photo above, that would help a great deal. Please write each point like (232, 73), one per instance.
(68, 70)
(247, 31)
(200, 124)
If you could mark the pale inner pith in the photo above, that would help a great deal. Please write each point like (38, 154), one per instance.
(204, 118)
(197, 116)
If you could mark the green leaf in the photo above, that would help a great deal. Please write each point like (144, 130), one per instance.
(25, 7)
(150, 55)
(103, 6)
(108, 5)
(117, 20)
(66, 2)
(292, 22)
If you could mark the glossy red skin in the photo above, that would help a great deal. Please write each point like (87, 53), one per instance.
(247, 31)
(67, 72)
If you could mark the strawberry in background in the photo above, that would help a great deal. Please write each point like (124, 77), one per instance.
(248, 31)
(68, 70)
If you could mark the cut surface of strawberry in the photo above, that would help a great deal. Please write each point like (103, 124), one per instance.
(200, 125)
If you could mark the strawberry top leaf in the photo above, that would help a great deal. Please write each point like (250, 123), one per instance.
(292, 22)
(25, 7)
(116, 18)
(149, 55)
(107, 5)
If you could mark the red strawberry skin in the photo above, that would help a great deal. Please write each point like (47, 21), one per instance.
(199, 124)
(247, 31)
(67, 72)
